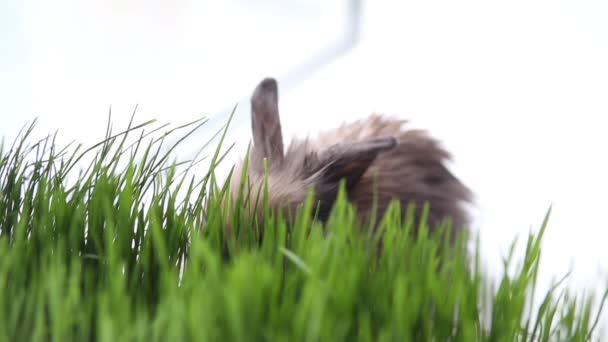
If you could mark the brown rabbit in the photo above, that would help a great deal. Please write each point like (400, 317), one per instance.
(374, 156)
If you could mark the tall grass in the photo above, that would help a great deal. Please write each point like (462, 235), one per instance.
(121, 243)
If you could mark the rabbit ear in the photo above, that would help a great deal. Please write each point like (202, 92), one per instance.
(265, 124)
(349, 161)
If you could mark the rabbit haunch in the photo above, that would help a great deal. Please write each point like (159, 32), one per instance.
(376, 156)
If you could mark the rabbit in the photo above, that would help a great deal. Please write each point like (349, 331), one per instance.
(374, 156)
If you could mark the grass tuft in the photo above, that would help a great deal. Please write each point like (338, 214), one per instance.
(121, 243)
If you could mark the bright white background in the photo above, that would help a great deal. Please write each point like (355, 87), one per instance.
(517, 90)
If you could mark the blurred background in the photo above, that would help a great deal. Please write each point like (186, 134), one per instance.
(517, 90)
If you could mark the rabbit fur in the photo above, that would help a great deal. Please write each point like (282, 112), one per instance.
(375, 156)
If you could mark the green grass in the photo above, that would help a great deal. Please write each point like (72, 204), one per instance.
(122, 243)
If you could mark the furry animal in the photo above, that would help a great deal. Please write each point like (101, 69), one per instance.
(374, 156)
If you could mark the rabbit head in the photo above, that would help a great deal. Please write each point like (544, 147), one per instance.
(290, 175)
